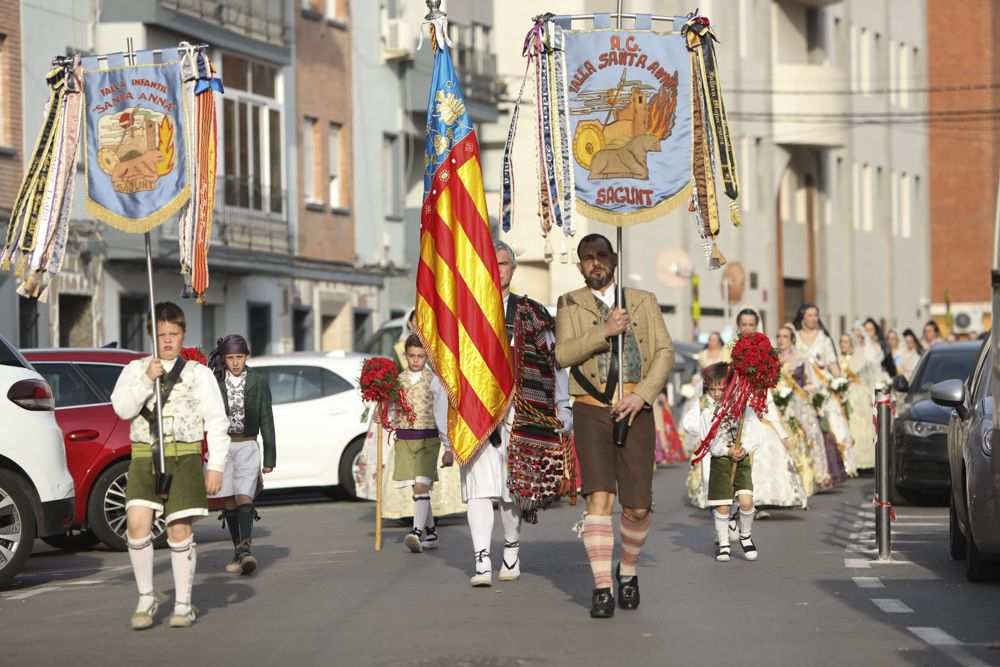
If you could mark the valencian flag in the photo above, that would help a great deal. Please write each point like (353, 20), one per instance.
(459, 312)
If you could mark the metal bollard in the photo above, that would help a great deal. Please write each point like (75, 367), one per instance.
(883, 510)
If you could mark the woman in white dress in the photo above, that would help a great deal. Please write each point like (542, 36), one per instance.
(912, 350)
(814, 344)
(776, 478)
(860, 365)
(799, 416)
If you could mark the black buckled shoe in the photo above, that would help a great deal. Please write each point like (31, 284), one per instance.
(628, 590)
(603, 604)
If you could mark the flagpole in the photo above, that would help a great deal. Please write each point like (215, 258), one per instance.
(378, 483)
(619, 288)
(163, 478)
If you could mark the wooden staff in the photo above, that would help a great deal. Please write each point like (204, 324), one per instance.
(378, 487)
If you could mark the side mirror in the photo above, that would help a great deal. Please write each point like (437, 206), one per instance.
(901, 384)
(951, 394)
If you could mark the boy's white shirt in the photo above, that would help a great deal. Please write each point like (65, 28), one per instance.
(698, 422)
(440, 404)
(134, 389)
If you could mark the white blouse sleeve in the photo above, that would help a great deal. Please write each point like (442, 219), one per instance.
(133, 389)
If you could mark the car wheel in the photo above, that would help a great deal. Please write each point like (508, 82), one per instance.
(106, 509)
(17, 525)
(75, 540)
(349, 469)
(976, 568)
(956, 541)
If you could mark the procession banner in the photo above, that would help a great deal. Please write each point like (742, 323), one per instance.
(629, 100)
(136, 153)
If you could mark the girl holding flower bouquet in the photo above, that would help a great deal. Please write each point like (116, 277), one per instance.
(800, 407)
(816, 346)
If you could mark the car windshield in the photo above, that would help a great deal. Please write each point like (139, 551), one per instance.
(944, 365)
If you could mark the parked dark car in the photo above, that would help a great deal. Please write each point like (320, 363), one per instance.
(974, 525)
(920, 453)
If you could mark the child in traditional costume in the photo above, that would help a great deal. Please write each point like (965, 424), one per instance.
(730, 469)
(191, 408)
(247, 397)
(420, 434)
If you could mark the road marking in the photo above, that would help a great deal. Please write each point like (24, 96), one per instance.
(868, 582)
(892, 606)
(857, 563)
(948, 645)
(48, 589)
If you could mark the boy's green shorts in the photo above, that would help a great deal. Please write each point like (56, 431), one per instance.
(187, 490)
(416, 458)
(726, 478)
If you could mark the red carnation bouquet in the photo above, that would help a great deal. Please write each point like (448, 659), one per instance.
(753, 372)
(194, 354)
(380, 384)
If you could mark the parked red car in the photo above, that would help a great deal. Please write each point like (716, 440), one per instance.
(98, 448)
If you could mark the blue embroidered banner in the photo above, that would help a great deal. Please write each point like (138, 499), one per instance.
(629, 99)
(136, 153)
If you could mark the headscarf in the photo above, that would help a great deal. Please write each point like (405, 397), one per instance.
(231, 344)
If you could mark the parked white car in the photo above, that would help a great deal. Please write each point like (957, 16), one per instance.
(317, 417)
(36, 488)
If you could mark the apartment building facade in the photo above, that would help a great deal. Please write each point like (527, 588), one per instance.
(11, 151)
(272, 269)
(834, 194)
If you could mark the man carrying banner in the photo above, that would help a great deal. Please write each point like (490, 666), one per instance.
(522, 470)
(588, 322)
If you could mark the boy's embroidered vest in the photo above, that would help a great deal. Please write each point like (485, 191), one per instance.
(182, 420)
(421, 399)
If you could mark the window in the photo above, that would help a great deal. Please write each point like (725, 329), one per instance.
(814, 35)
(208, 315)
(855, 196)
(855, 59)
(867, 198)
(392, 192)
(743, 19)
(865, 68)
(903, 82)
(301, 328)
(309, 159)
(68, 387)
(893, 73)
(333, 159)
(905, 207)
(331, 9)
(252, 144)
(27, 323)
(290, 384)
(259, 325)
(132, 313)
(103, 376)
(894, 181)
(362, 326)
(878, 197)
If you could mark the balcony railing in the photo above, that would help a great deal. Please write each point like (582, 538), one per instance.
(258, 222)
(264, 20)
(477, 73)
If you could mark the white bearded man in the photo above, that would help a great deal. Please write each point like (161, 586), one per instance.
(521, 466)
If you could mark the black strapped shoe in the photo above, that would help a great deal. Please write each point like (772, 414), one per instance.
(603, 604)
(628, 590)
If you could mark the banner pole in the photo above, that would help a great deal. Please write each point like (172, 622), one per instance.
(619, 288)
(378, 486)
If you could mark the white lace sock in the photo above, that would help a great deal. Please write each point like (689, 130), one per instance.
(421, 510)
(510, 517)
(140, 554)
(746, 522)
(722, 528)
(183, 560)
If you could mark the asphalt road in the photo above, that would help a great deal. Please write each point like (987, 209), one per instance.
(817, 596)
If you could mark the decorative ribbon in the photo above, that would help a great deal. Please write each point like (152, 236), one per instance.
(207, 81)
(186, 221)
(701, 39)
(23, 223)
(879, 503)
(205, 199)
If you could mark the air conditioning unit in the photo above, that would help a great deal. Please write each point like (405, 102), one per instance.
(397, 41)
(966, 321)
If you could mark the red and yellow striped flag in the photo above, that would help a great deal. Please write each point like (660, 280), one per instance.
(460, 316)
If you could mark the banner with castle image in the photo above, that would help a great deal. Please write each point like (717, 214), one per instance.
(629, 100)
(136, 154)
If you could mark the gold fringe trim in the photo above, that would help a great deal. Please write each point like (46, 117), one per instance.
(636, 217)
(141, 225)
(734, 214)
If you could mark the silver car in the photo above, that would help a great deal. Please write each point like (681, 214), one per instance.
(974, 533)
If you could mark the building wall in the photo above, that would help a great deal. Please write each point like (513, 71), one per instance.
(11, 153)
(323, 69)
(767, 63)
(964, 155)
